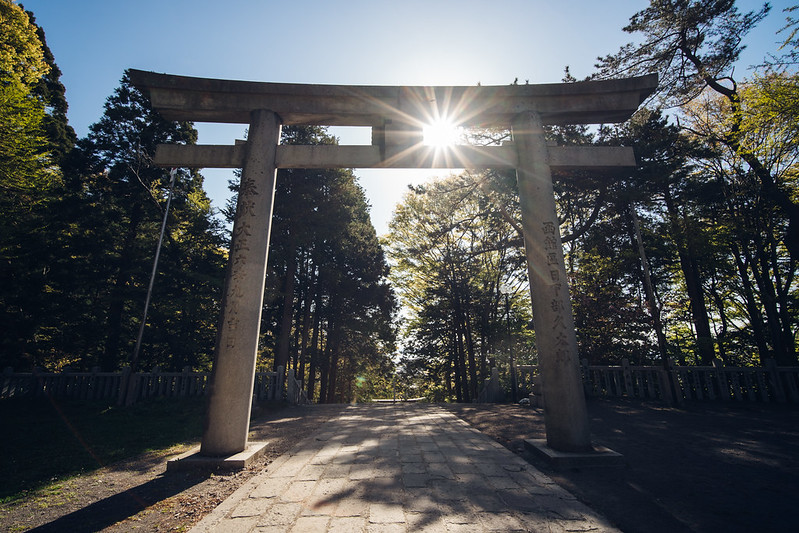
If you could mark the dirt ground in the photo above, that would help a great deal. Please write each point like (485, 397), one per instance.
(137, 495)
(704, 468)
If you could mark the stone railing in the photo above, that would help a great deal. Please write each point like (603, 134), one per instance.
(96, 385)
(768, 383)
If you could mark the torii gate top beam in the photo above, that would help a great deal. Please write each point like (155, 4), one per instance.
(214, 100)
(397, 116)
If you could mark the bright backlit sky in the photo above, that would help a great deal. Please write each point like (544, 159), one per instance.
(361, 42)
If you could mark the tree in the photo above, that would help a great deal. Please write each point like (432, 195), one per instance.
(52, 92)
(28, 179)
(123, 192)
(753, 225)
(455, 257)
(328, 307)
(25, 167)
(78, 293)
(694, 45)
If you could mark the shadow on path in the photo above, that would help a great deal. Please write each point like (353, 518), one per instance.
(706, 467)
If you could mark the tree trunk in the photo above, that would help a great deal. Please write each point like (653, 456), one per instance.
(314, 348)
(768, 297)
(693, 283)
(752, 307)
(456, 364)
(649, 289)
(324, 367)
(284, 335)
(119, 292)
(306, 318)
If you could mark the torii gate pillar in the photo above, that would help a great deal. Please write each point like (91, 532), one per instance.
(565, 413)
(227, 419)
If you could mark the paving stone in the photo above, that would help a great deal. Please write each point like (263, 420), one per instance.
(291, 467)
(400, 468)
(389, 471)
(421, 501)
(311, 524)
(270, 529)
(382, 513)
(447, 489)
(414, 468)
(328, 450)
(277, 462)
(440, 470)
(412, 481)
(297, 491)
(241, 525)
(248, 507)
(353, 506)
(333, 487)
(464, 516)
(470, 478)
(575, 526)
(310, 472)
(280, 514)
(464, 528)
(462, 468)
(270, 488)
(559, 508)
(336, 471)
(320, 505)
(488, 501)
(347, 524)
(426, 522)
(498, 521)
(503, 483)
(517, 500)
(491, 469)
(362, 471)
(386, 528)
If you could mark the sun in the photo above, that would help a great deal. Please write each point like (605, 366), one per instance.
(442, 133)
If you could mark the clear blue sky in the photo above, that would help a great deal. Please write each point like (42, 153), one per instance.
(368, 42)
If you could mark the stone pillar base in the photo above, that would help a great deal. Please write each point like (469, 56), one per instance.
(192, 460)
(598, 456)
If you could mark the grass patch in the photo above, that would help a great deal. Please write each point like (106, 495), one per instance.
(45, 441)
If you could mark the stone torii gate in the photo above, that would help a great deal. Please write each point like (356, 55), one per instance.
(397, 116)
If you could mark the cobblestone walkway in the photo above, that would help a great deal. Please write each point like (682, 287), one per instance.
(400, 468)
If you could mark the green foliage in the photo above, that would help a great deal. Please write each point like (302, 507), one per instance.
(21, 54)
(328, 306)
(455, 257)
(120, 198)
(84, 259)
(691, 44)
(25, 170)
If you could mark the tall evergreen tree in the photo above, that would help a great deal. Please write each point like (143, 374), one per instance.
(328, 307)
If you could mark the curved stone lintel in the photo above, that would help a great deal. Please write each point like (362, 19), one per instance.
(231, 101)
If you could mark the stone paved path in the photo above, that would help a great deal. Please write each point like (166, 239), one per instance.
(400, 468)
